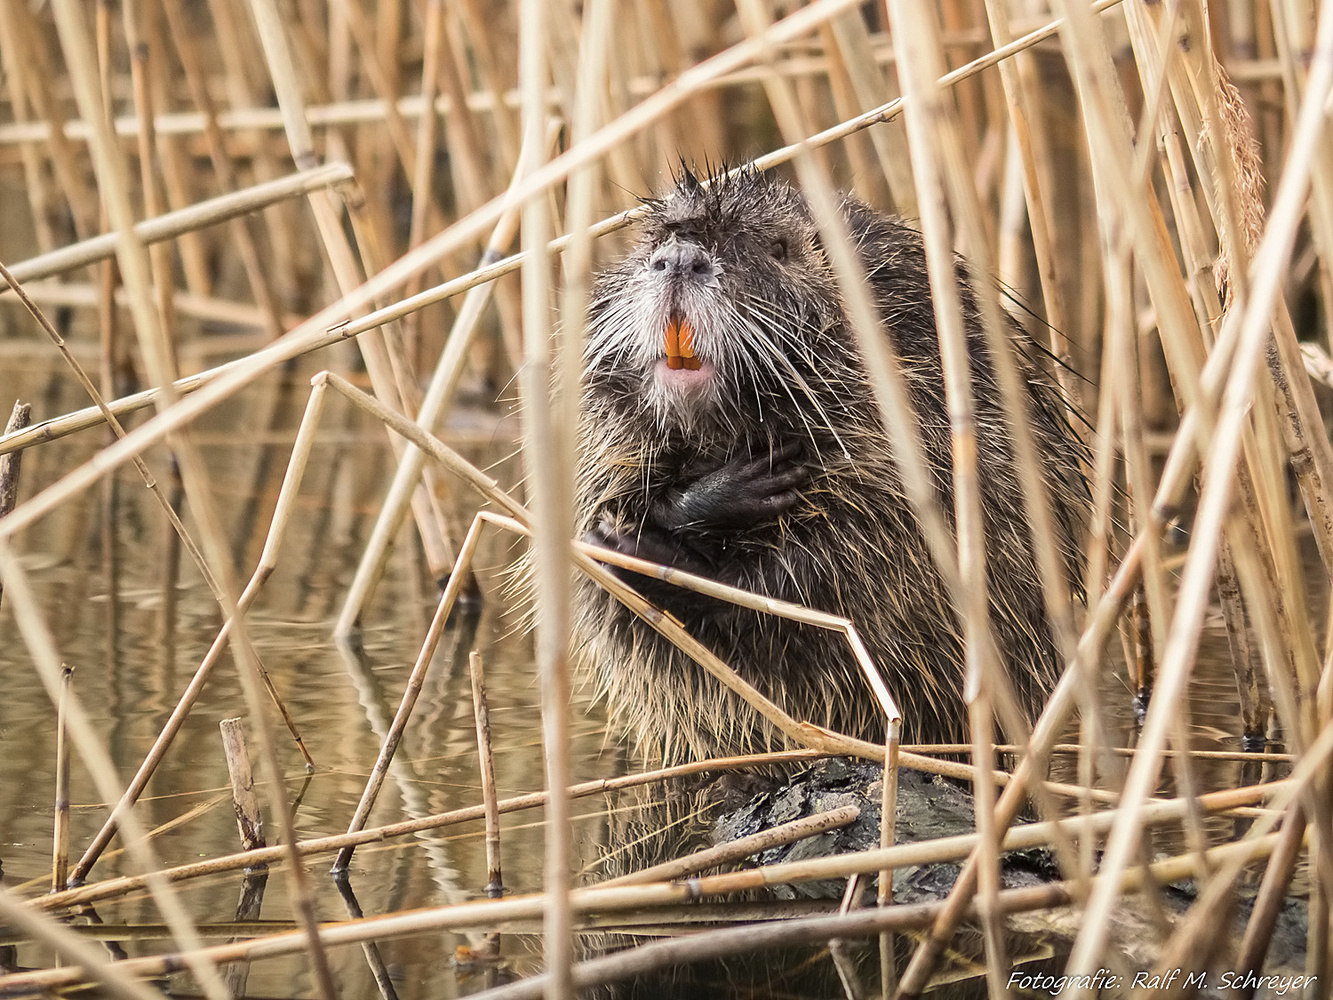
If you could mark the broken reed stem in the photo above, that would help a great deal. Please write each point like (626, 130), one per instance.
(168, 508)
(282, 511)
(489, 946)
(19, 417)
(11, 463)
(486, 766)
(433, 405)
(416, 680)
(548, 459)
(248, 819)
(60, 833)
(888, 824)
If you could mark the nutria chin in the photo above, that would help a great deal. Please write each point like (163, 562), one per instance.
(728, 428)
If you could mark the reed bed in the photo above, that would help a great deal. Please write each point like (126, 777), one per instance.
(408, 199)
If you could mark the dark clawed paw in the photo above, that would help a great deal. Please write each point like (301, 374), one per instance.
(608, 536)
(764, 488)
(744, 491)
(639, 543)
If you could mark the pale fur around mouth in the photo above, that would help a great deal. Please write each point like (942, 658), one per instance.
(684, 379)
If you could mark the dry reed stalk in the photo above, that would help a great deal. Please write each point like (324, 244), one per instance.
(888, 968)
(168, 507)
(267, 564)
(486, 769)
(950, 159)
(415, 681)
(313, 332)
(863, 922)
(1182, 638)
(115, 365)
(548, 457)
(920, 64)
(132, 258)
(209, 212)
(739, 849)
(60, 831)
(1152, 603)
(443, 381)
(248, 819)
(11, 464)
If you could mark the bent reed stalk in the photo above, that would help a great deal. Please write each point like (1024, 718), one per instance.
(1116, 188)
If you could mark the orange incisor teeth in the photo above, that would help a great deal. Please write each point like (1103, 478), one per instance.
(680, 345)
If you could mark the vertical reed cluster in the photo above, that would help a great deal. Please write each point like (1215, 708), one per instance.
(1151, 181)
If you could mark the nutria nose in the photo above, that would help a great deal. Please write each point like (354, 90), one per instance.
(685, 259)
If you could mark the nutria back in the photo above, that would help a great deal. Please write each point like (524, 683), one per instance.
(729, 429)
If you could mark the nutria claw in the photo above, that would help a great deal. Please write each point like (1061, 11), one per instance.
(743, 492)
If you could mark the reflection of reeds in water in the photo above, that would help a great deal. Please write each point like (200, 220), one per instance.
(1106, 171)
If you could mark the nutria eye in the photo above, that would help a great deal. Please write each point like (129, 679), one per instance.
(778, 249)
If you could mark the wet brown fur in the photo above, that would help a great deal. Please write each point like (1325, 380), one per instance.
(850, 545)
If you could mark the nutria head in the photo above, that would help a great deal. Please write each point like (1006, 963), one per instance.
(725, 312)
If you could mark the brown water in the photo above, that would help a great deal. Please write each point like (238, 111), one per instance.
(341, 703)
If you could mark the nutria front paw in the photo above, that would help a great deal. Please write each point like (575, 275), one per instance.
(740, 494)
(642, 543)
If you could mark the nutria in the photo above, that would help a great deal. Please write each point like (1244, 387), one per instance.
(728, 428)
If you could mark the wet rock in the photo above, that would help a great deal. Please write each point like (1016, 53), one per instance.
(929, 807)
